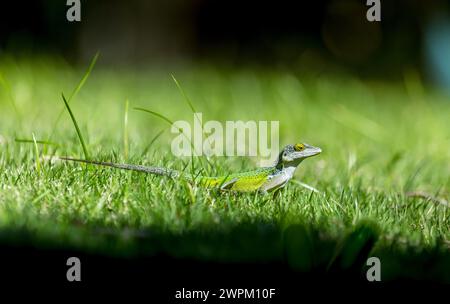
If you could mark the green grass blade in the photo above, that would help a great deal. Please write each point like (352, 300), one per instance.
(188, 101)
(85, 77)
(80, 137)
(125, 130)
(191, 106)
(183, 93)
(171, 123)
(75, 91)
(156, 114)
(306, 186)
(36, 151)
(151, 142)
(32, 141)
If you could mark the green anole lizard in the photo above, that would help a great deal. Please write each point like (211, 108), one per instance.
(265, 179)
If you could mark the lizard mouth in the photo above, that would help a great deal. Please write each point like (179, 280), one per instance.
(311, 152)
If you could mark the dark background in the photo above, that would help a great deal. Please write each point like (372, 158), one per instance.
(301, 34)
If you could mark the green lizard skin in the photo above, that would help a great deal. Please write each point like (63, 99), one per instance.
(263, 179)
(244, 181)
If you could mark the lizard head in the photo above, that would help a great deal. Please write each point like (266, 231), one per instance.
(292, 155)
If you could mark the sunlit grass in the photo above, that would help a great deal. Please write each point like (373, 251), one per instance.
(379, 141)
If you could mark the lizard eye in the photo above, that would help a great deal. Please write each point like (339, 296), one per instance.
(299, 147)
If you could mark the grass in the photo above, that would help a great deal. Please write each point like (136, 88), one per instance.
(80, 137)
(380, 142)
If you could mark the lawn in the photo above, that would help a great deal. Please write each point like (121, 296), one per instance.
(383, 175)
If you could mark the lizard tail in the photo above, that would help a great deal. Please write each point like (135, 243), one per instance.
(152, 170)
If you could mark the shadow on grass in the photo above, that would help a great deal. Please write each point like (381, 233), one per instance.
(258, 251)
